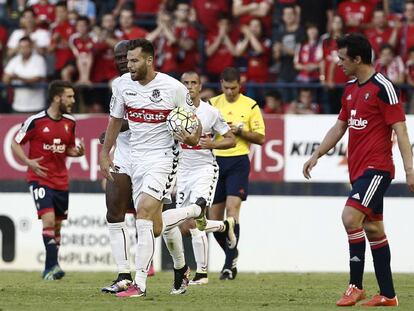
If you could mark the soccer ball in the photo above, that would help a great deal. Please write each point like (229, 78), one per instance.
(181, 118)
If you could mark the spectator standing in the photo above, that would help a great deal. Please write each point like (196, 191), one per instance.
(390, 65)
(286, 40)
(83, 8)
(304, 104)
(308, 56)
(246, 10)
(44, 12)
(219, 48)
(61, 32)
(380, 33)
(357, 14)
(27, 68)
(317, 12)
(127, 28)
(40, 37)
(332, 76)
(208, 12)
(409, 65)
(407, 30)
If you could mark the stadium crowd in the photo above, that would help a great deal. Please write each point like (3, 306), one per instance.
(282, 41)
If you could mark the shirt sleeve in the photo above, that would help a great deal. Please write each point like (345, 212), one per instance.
(183, 98)
(220, 125)
(117, 106)
(343, 114)
(26, 132)
(389, 103)
(9, 69)
(256, 121)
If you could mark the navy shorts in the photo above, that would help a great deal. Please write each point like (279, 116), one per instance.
(50, 200)
(367, 194)
(233, 178)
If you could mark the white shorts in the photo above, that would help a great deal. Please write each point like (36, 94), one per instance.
(121, 167)
(195, 183)
(154, 172)
(121, 156)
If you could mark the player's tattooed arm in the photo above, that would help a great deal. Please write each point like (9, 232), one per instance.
(76, 151)
(34, 164)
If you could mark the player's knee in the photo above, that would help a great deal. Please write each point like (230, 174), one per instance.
(350, 222)
(113, 217)
(373, 230)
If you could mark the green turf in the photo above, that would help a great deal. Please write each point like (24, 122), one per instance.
(267, 291)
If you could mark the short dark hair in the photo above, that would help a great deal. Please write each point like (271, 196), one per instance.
(410, 49)
(57, 87)
(62, 4)
(85, 19)
(274, 93)
(145, 45)
(26, 38)
(230, 74)
(386, 46)
(356, 45)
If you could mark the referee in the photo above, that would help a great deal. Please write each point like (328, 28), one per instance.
(246, 122)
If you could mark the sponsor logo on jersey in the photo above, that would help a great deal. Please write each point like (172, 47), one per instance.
(156, 96)
(188, 100)
(147, 115)
(356, 123)
(56, 146)
(366, 96)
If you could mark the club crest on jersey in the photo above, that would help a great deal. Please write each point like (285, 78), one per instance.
(188, 100)
(156, 96)
(366, 96)
(355, 123)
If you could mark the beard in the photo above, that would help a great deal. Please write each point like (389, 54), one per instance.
(141, 74)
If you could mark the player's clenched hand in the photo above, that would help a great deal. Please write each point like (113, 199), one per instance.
(80, 149)
(186, 138)
(308, 166)
(36, 167)
(106, 164)
(410, 180)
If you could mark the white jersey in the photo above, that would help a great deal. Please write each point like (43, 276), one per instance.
(213, 123)
(121, 154)
(147, 107)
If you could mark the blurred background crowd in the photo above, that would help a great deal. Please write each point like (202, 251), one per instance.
(285, 49)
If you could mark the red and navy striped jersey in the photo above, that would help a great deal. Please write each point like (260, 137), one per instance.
(49, 139)
(370, 109)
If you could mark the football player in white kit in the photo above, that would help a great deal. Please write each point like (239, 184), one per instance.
(118, 193)
(147, 97)
(198, 174)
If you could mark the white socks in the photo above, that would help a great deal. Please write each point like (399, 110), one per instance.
(174, 241)
(176, 216)
(215, 226)
(200, 248)
(119, 239)
(145, 251)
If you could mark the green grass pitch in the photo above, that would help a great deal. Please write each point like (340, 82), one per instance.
(266, 291)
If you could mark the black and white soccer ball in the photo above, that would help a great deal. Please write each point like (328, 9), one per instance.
(181, 118)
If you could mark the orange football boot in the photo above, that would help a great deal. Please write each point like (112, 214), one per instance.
(381, 301)
(352, 295)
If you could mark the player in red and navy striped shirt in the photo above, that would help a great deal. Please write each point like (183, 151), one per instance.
(51, 138)
(371, 111)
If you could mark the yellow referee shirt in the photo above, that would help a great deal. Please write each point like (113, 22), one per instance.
(243, 111)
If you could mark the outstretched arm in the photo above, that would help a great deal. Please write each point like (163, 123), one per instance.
(330, 140)
(404, 145)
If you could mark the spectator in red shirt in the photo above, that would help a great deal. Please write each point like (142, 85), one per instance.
(407, 30)
(147, 7)
(390, 65)
(186, 38)
(331, 74)
(44, 12)
(127, 27)
(256, 48)
(164, 41)
(308, 56)
(208, 12)
(273, 103)
(246, 10)
(61, 31)
(82, 44)
(409, 65)
(381, 33)
(3, 42)
(219, 48)
(357, 14)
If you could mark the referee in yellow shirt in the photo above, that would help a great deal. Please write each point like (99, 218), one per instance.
(245, 119)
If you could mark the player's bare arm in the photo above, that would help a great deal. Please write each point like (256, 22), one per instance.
(404, 145)
(105, 162)
(228, 141)
(32, 163)
(124, 127)
(76, 151)
(250, 136)
(330, 140)
(189, 139)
